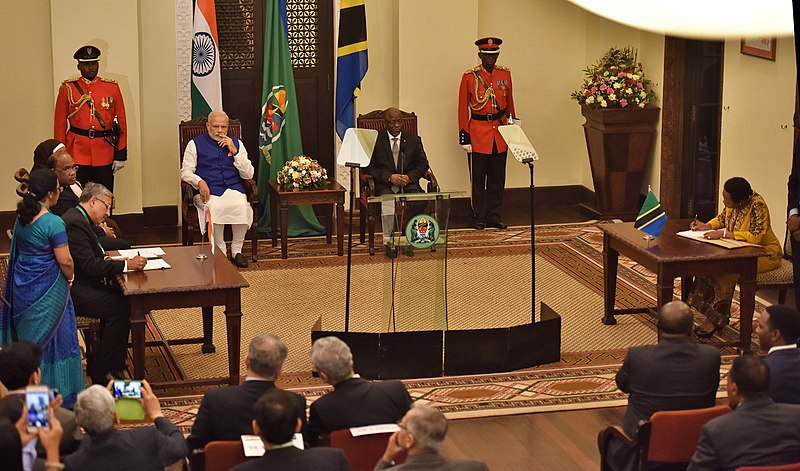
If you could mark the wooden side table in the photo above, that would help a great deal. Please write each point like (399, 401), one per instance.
(332, 193)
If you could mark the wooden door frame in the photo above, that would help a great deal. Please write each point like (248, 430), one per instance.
(672, 126)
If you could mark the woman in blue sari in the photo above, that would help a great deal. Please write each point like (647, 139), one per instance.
(40, 271)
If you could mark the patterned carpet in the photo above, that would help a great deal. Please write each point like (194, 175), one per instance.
(488, 285)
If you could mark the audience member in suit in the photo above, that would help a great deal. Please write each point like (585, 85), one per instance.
(397, 163)
(18, 446)
(277, 419)
(135, 449)
(227, 414)
(65, 169)
(421, 434)
(674, 374)
(354, 401)
(19, 367)
(778, 328)
(793, 216)
(759, 432)
(94, 294)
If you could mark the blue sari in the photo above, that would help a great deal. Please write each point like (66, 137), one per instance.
(41, 309)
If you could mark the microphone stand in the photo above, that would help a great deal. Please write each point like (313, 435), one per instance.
(529, 161)
(352, 166)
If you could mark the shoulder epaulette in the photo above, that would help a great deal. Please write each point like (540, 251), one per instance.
(502, 67)
(72, 79)
(474, 69)
(107, 80)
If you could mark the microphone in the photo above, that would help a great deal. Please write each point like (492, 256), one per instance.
(402, 162)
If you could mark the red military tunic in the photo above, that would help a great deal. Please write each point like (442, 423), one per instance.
(100, 97)
(473, 99)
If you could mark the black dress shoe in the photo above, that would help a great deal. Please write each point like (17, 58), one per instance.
(498, 225)
(391, 252)
(480, 225)
(408, 251)
(239, 260)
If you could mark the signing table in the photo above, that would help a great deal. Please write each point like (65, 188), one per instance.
(189, 283)
(332, 193)
(670, 256)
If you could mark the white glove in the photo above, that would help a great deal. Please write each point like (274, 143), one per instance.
(467, 147)
(117, 165)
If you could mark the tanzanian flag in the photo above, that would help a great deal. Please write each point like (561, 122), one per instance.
(279, 136)
(351, 62)
(651, 218)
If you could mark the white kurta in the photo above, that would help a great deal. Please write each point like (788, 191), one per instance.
(230, 208)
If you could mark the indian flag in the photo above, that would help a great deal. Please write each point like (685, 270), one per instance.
(206, 82)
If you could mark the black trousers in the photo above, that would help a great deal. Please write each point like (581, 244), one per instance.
(101, 174)
(114, 311)
(488, 173)
(796, 267)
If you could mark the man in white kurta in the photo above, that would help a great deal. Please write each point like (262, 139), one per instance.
(215, 164)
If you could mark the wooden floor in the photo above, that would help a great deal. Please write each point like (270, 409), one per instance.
(545, 441)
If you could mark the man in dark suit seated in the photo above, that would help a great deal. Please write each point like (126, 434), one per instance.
(778, 328)
(140, 448)
(675, 374)
(759, 432)
(421, 434)
(277, 419)
(397, 163)
(19, 367)
(65, 169)
(354, 401)
(227, 414)
(94, 292)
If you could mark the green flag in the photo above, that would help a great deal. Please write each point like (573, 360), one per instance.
(279, 133)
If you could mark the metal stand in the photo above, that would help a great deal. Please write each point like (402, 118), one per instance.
(533, 246)
(352, 166)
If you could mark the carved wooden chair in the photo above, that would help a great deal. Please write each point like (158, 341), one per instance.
(368, 211)
(188, 130)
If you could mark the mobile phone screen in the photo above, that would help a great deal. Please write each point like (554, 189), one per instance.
(38, 403)
(127, 389)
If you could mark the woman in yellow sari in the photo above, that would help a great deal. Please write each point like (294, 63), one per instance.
(745, 217)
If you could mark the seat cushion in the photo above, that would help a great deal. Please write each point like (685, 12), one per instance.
(783, 275)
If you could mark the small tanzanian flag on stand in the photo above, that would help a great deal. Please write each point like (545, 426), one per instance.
(651, 218)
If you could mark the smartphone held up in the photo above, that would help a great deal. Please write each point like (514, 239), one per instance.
(37, 400)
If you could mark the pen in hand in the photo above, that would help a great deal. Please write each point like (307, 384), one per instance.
(693, 225)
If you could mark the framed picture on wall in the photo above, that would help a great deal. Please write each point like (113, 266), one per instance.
(763, 47)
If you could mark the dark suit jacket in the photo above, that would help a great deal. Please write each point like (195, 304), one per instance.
(67, 199)
(675, 374)
(356, 402)
(794, 182)
(784, 375)
(137, 449)
(291, 458)
(414, 162)
(759, 432)
(433, 462)
(90, 264)
(227, 414)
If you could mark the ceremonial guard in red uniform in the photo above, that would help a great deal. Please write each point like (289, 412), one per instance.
(90, 120)
(486, 101)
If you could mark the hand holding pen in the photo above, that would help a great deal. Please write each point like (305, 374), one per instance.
(699, 226)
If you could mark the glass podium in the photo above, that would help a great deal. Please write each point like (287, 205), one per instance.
(414, 276)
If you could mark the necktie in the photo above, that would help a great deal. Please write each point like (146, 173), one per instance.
(396, 157)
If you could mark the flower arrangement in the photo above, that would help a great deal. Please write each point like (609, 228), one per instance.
(615, 81)
(302, 172)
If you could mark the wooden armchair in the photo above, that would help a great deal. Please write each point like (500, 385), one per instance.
(188, 130)
(367, 211)
(669, 437)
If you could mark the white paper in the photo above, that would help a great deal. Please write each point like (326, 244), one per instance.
(693, 234)
(374, 429)
(253, 446)
(153, 264)
(146, 252)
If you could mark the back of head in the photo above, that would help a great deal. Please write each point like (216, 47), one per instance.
(94, 410)
(40, 182)
(276, 414)
(675, 318)
(739, 188)
(332, 356)
(266, 355)
(750, 375)
(428, 426)
(94, 190)
(18, 361)
(10, 446)
(786, 320)
(43, 152)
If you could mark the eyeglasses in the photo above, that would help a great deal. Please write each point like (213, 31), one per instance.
(108, 205)
(71, 168)
(400, 424)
